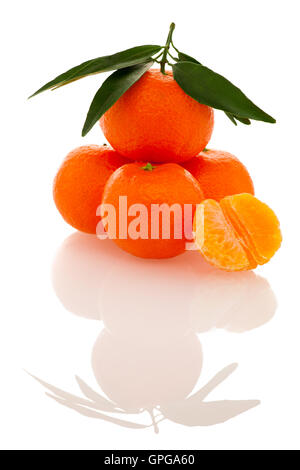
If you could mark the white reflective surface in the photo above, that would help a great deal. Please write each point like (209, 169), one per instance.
(148, 356)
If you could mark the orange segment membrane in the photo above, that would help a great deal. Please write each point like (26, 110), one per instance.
(238, 233)
(216, 238)
(256, 223)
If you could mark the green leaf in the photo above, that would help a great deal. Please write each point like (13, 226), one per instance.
(231, 117)
(111, 90)
(133, 56)
(243, 120)
(186, 58)
(210, 88)
(237, 118)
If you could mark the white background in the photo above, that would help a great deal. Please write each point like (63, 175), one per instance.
(256, 45)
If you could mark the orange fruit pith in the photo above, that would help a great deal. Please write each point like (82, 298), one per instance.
(166, 184)
(238, 233)
(156, 121)
(79, 183)
(220, 174)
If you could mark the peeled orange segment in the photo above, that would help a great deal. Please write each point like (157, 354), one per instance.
(216, 238)
(238, 233)
(256, 223)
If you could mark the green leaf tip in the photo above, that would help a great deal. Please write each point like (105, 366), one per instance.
(231, 117)
(214, 90)
(123, 59)
(111, 90)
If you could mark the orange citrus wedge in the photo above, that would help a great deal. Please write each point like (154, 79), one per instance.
(238, 233)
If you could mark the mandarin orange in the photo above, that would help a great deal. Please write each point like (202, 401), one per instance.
(79, 183)
(155, 120)
(220, 174)
(155, 223)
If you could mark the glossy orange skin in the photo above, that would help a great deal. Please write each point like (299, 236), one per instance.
(79, 184)
(220, 174)
(165, 184)
(156, 121)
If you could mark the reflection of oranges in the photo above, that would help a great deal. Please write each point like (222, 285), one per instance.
(79, 183)
(136, 376)
(220, 174)
(238, 233)
(169, 185)
(156, 121)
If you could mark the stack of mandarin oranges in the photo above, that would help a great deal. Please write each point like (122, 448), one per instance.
(158, 154)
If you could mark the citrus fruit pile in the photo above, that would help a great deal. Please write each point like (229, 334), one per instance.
(157, 168)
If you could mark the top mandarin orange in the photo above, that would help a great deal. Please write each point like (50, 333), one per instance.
(155, 120)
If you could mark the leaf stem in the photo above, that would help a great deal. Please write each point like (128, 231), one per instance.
(174, 58)
(154, 423)
(166, 49)
(158, 56)
(172, 44)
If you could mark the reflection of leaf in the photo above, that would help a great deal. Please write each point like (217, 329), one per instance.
(206, 414)
(102, 406)
(62, 393)
(96, 415)
(189, 412)
(94, 396)
(194, 412)
(213, 383)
